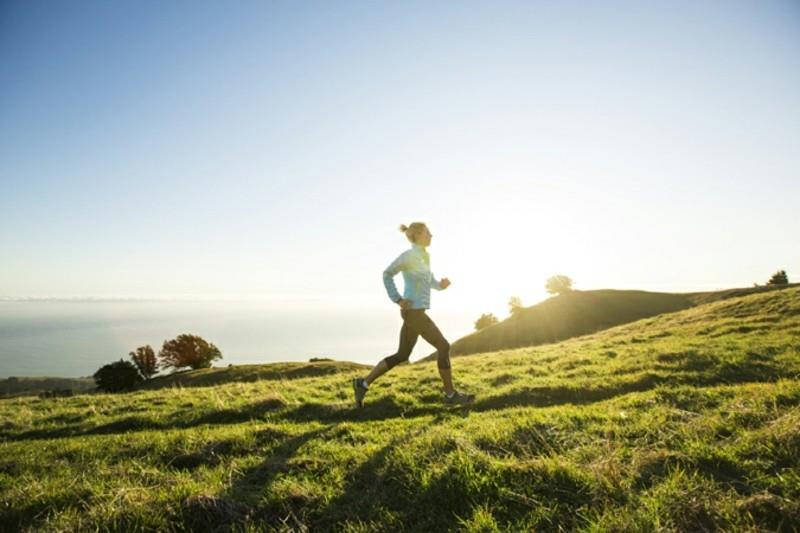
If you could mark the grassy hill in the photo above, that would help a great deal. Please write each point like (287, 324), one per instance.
(688, 420)
(566, 316)
(248, 373)
(699, 298)
(580, 312)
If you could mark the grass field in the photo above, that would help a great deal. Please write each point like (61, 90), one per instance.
(686, 421)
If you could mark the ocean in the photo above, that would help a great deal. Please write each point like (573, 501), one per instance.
(62, 338)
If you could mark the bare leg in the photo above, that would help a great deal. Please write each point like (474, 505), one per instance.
(376, 372)
(447, 379)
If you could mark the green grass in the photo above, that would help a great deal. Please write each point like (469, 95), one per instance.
(683, 421)
(566, 316)
(582, 312)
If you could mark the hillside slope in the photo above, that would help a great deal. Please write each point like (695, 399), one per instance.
(566, 316)
(581, 312)
(683, 421)
(699, 298)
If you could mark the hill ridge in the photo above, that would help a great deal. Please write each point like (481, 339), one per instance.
(580, 313)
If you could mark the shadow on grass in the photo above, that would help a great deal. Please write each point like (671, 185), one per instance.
(122, 425)
(548, 396)
(31, 515)
(379, 409)
(383, 488)
(655, 466)
(249, 487)
(178, 420)
(372, 492)
(386, 407)
(689, 368)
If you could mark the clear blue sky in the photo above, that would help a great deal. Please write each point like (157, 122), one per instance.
(270, 149)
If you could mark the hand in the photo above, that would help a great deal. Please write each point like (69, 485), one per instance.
(444, 283)
(404, 304)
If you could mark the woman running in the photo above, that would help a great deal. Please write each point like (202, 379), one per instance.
(418, 279)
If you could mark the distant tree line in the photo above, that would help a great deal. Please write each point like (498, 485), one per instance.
(184, 351)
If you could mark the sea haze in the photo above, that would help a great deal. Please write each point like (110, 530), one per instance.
(74, 338)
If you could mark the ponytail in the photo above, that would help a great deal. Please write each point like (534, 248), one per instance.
(412, 230)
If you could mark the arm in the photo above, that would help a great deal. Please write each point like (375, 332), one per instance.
(435, 283)
(389, 274)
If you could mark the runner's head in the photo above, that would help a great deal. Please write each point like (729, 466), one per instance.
(417, 233)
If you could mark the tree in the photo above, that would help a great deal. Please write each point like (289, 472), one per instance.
(145, 360)
(779, 278)
(188, 350)
(117, 376)
(558, 285)
(486, 320)
(514, 305)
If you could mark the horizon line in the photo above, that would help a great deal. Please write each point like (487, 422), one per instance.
(207, 298)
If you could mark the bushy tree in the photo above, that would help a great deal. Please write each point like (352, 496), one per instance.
(779, 278)
(486, 320)
(145, 360)
(558, 285)
(188, 350)
(117, 376)
(514, 305)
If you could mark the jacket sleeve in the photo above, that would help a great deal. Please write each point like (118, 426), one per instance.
(435, 283)
(388, 276)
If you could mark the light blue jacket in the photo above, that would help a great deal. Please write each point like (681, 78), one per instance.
(418, 279)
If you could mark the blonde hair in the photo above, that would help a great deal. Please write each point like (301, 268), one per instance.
(413, 230)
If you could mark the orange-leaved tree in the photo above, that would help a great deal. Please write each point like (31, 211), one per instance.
(188, 350)
(145, 360)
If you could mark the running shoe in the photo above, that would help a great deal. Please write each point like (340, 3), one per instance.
(459, 398)
(360, 389)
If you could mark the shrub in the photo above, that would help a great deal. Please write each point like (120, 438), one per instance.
(145, 360)
(558, 285)
(117, 376)
(56, 393)
(779, 278)
(188, 351)
(486, 320)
